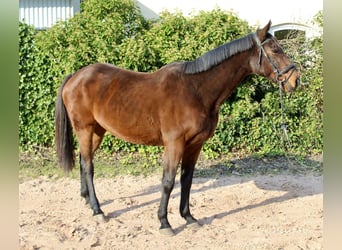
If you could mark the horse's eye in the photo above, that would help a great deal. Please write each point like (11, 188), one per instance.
(276, 49)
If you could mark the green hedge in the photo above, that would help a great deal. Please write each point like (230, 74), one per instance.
(114, 31)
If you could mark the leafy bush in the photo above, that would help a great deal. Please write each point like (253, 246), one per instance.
(114, 31)
(26, 70)
(34, 92)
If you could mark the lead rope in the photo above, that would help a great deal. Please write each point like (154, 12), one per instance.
(283, 122)
(284, 126)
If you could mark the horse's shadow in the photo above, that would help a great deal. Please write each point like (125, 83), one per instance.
(291, 192)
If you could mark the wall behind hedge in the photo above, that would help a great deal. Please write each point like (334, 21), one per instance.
(114, 31)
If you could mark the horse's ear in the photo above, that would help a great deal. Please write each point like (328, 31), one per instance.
(262, 33)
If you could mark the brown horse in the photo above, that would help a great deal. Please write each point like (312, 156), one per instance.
(176, 107)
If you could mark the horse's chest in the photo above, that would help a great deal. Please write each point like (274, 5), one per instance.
(210, 126)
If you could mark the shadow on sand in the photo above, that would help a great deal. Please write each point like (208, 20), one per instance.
(241, 170)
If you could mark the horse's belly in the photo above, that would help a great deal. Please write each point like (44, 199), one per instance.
(137, 135)
(139, 138)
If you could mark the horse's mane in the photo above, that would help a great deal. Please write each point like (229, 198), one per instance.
(218, 55)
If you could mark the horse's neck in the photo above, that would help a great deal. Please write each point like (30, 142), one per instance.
(219, 82)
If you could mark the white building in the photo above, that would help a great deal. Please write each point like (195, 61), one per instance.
(42, 14)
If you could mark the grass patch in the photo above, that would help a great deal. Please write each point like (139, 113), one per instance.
(43, 162)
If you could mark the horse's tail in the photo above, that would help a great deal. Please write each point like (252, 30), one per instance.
(63, 133)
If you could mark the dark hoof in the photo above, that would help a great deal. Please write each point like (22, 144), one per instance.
(167, 231)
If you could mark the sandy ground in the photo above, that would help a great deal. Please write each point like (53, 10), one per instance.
(262, 212)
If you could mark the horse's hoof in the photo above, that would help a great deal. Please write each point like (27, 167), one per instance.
(167, 231)
(101, 218)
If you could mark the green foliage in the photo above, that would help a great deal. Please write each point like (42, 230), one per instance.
(26, 69)
(114, 31)
(176, 38)
(34, 125)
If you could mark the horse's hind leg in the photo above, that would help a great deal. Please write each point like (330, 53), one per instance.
(89, 141)
(84, 187)
(96, 141)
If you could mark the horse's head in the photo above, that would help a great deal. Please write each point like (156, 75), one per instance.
(272, 62)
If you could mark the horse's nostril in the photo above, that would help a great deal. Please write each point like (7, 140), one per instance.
(297, 82)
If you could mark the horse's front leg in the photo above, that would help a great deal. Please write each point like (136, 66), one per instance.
(189, 160)
(167, 186)
(172, 156)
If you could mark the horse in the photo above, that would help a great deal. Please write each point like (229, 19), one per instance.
(175, 107)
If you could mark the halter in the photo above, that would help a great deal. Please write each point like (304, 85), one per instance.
(278, 72)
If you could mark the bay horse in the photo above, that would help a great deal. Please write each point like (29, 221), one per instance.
(176, 107)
